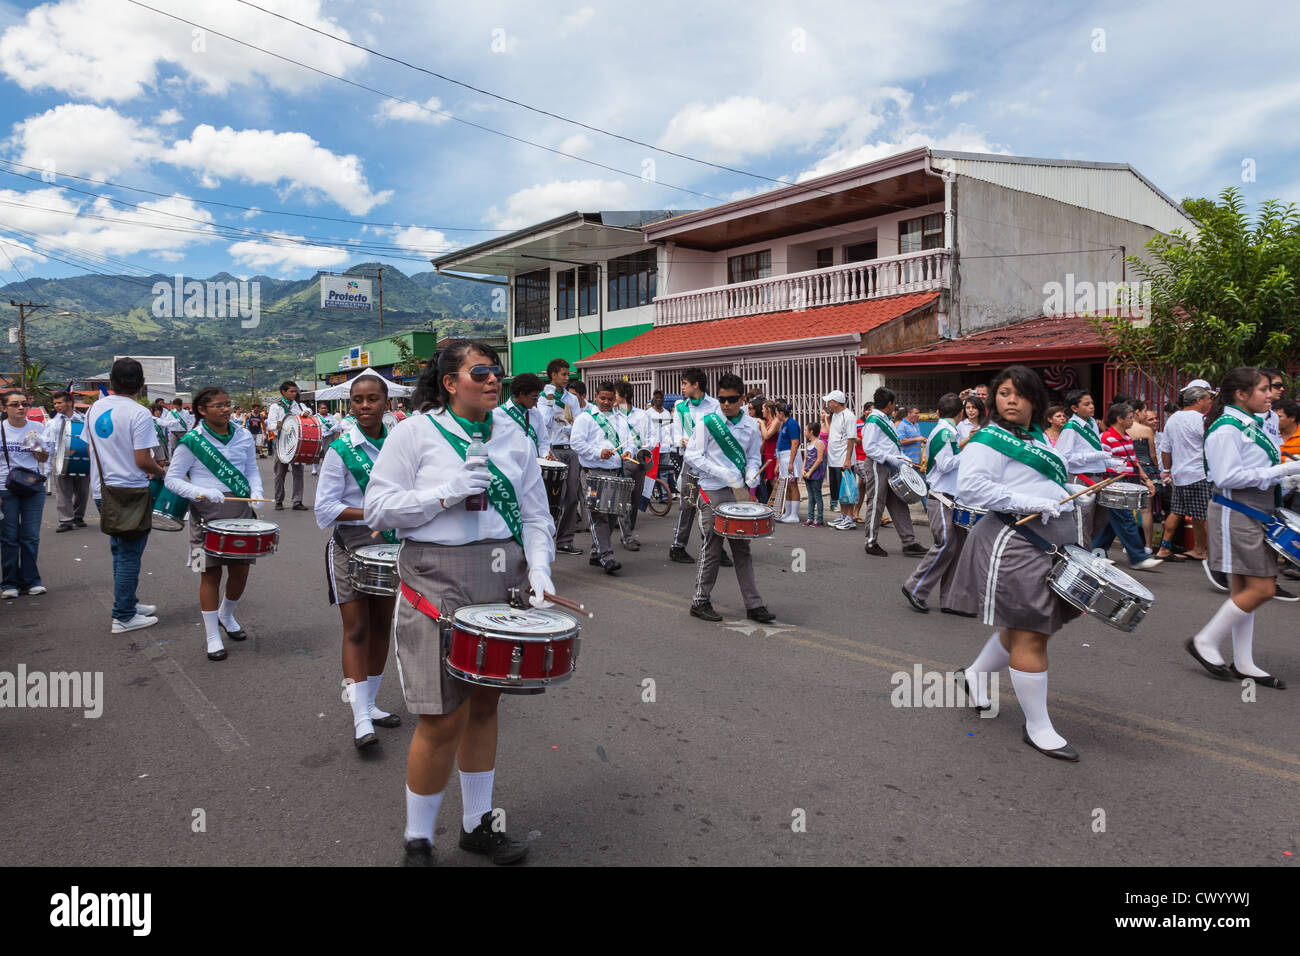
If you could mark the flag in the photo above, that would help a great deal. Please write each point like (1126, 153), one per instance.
(648, 485)
(103, 390)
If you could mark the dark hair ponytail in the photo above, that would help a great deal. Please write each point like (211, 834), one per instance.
(430, 394)
(1241, 379)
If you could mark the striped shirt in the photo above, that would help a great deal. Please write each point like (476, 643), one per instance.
(1121, 446)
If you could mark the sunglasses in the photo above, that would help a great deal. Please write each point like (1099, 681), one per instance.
(480, 373)
(16, 405)
(1276, 385)
(728, 398)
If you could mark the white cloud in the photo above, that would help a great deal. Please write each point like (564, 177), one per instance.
(103, 50)
(19, 254)
(83, 140)
(294, 162)
(547, 200)
(576, 145)
(963, 96)
(286, 255)
(745, 125)
(576, 21)
(961, 140)
(422, 241)
(397, 110)
(168, 117)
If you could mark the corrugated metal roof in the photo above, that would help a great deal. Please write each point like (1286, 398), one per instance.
(1044, 339)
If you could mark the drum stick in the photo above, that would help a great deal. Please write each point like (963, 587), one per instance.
(566, 603)
(233, 498)
(1091, 489)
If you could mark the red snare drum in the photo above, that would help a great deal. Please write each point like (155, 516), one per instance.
(301, 440)
(240, 538)
(497, 645)
(743, 519)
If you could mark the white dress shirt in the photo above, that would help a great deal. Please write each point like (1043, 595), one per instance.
(1185, 441)
(1236, 461)
(336, 489)
(942, 476)
(684, 430)
(1272, 427)
(705, 455)
(276, 415)
(55, 428)
(189, 477)
(661, 427)
(558, 424)
(638, 426)
(1079, 456)
(171, 423)
(993, 481)
(964, 428)
(410, 477)
(534, 416)
(878, 446)
(589, 440)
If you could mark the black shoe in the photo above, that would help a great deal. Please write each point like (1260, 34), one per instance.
(301, 507)
(760, 614)
(725, 561)
(79, 522)
(915, 549)
(877, 550)
(916, 602)
(418, 853)
(680, 556)
(1217, 578)
(705, 612)
(392, 720)
(1061, 753)
(365, 741)
(594, 561)
(487, 841)
(220, 655)
(63, 527)
(971, 699)
(1291, 573)
(239, 635)
(567, 549)
(611, 566)
(1282, 594)
(1268, 680)
(1218, 671)
(279, 506)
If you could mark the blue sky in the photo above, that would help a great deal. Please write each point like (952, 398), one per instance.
(1186, 92)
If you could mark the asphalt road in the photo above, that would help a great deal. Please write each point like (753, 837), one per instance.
(752, 731)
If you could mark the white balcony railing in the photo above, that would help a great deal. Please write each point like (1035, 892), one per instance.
(915, 272)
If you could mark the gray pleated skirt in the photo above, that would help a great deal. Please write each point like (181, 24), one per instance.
(1237, 543)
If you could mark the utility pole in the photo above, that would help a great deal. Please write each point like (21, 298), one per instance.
(381, 302)
(23, 309)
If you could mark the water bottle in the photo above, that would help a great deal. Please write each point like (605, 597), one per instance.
(476, 456)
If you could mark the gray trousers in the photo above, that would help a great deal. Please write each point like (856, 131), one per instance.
(567, 522)
(637, 473)
(877, 497)
(939, 563)
(706, 573)
(70, 494)
(601, 524)
(280, 470)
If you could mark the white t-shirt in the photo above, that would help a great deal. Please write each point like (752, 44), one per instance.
(842, 432)
(21, 456)
(119, 427)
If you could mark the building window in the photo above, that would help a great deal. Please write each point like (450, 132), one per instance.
(632, 280)
(588, 291)
(825, 258)
(576, 293)
(751, 265)
(860, 252)
(916, 235)
(565, 300)
(532, 302)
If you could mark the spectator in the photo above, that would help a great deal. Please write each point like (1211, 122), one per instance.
(977, 417)
(1288, 424)
(1143, 435)
(24, 446)
(767, 431)
(254, 426)
(1057, 416)
(839, 447)
(1115, 439)
(122, 437)
(70, 491)
(909, 435)
(814, 471)
(661, 420)
(1183, 459)
(790, 460)
(1277, 389)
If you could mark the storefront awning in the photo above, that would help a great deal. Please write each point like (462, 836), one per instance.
(1046, 339)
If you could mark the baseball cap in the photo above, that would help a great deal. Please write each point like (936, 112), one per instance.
(836, 396)
(1200, 383)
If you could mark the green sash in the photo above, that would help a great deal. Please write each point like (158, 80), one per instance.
(1045, 462)
(726, 441)
(162, 435)
(610, 432)
(886, 427)
(631, 430)
(501, 493)
(358, 464)
(214, 461)
(179, 417)
(688, 420)
(517, 413)
(942, 432)
(1089, 435)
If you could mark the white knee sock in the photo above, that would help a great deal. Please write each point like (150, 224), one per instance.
(213, 634)
(1243, 639)
(991, 659)
(1209, 640)
(226, 614)
(421, 814)
(1031, 691)
(359, 699)
(476, 797)
(372, 686)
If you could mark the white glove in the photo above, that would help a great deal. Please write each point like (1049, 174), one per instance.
(751, 478)
(539, 579)
(1284, 470)
(1116, 464)
(1029, 504)
(465, 484)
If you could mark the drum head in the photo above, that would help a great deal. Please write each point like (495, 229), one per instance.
(548, 465)
(1107, 572)
(241, 526)
(743, 509)
(1288, 518)
(912, 478)
(382, 553)
(535, 622)
(286, 448)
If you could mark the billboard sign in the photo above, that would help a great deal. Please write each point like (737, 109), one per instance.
(158, 369)
(350, 293)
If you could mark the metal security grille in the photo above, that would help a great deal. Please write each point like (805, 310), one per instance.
(803, 380)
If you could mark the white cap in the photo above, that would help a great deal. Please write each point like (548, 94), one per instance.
(836, 396)
(1198, 382)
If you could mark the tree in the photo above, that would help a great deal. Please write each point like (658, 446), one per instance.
(1225, 297)
(40, 386)
(408, 363)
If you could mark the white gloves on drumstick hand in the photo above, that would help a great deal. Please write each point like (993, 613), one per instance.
(539, 580)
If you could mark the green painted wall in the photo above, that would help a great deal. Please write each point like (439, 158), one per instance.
(531, 354)
(382, 351)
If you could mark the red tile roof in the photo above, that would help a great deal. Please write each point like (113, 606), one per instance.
(1048, 338)
(767, 327)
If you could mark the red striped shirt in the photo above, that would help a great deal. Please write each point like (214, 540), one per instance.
(1121, 446)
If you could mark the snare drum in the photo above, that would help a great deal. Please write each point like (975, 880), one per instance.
(555, 475)
(169, 508)
(964, 516)
(908, 484)
(497, 645)
(1283, 535)
(743, 519)
(373, 569)
(1097, 588)
(71, 453)
(608, 494)
(240, 538)
(301, 440)
(1124, 496)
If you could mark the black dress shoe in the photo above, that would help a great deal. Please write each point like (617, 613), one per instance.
(279, 506)
(877, 550)
(567, 549)
(971, 698)
(914, 549)
(916, 602)
(301, 507)
(63, 527)
(388, 720)
(594, 561)
(680, 556)
(418, 853)
(760, 614)
(1268, 680)
(220, 655)
(239, 635)
(490, 843)
(79, 522)
(705, 612)
(725, 561)
(1060, 753)
(1218, 671)
(611, 566)
(365, 741)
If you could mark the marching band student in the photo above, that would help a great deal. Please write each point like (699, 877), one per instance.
(1008, 467)
(884, 454)
(287, 405)
(1079, 446)
(178, 422)
(639, 431)
(367, 618)
(562, 408)
(452, 555)
(212, 460)
(333, 425)
(1246, 470)
(601, 440)
(688, 413)
(521, 411)
(939, 563)
(726, 451)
